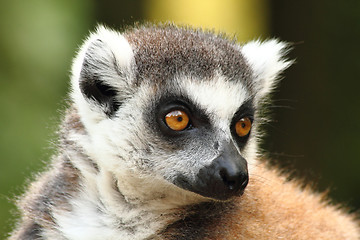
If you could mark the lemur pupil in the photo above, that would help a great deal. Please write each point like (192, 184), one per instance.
(179, 119)
(243, 125)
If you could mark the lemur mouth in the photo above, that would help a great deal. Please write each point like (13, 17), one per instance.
(214, 189)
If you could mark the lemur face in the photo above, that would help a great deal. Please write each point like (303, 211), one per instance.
(174, 109)
(202, 143)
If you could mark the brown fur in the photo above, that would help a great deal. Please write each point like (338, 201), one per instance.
(271, 208)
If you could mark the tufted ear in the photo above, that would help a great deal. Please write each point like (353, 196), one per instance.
(266, 59)
(102, 72)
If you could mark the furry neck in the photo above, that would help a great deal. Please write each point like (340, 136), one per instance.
(109, 206)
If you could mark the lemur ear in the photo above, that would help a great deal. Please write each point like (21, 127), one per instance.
(102, 72)
(267, 62)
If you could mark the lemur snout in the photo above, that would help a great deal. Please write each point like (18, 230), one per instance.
(225, 177)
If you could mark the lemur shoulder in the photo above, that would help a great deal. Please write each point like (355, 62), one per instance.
(160, 142)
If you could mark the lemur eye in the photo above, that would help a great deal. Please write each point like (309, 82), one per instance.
(243, 126)
(177, 120)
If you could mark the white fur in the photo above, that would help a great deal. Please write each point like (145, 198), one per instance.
(99, 212)
(221, 99)
(218, 96)
(266, 60)
(119, 48)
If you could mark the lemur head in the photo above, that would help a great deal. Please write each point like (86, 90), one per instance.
(173, 111)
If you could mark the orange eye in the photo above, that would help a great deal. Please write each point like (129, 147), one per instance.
(177, 120)
(243, 127)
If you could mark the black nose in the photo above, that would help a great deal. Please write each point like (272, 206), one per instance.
(234, 181)
(225, 177)
(230, 175)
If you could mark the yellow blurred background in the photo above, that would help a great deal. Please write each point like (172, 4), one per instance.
(246, 19)
(316, 108)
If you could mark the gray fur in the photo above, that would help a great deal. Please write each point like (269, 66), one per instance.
(185, 51)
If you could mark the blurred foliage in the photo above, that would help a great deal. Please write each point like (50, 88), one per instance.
(37, 41)
(316, 106)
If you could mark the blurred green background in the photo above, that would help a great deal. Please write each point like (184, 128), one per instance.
(316, 108)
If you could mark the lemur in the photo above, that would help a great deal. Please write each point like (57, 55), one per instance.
(160, 142)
